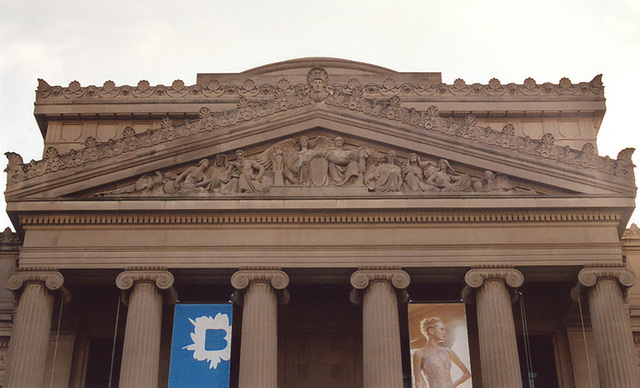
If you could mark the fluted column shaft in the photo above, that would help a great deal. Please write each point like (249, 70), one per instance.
(497, 336)
(32, 326)
(259, 341)
(141, 351)
(613, 339)
(382, 356)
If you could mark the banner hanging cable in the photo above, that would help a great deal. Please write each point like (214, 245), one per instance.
(113, 347)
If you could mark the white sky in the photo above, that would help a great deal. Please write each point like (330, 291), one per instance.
(160, 41)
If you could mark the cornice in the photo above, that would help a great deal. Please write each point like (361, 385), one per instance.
(324, 217)
(249, 88)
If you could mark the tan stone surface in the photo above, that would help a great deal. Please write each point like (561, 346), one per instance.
(612, 334)
(141, 352)
(493, 290)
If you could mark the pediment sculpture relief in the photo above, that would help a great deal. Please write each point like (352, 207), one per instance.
(318, 162)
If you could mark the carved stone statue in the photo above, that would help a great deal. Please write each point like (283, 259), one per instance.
(343, 164)
(386, 177)
(243, 171)
(219, 176)
(446, 178)
(192, 179)
(496, 183)
(413, 174)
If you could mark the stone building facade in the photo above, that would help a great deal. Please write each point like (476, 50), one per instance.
(320, 196)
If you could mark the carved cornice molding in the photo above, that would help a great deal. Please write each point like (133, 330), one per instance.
(476, 277)
(360, 217)
(361, 279)
(250, 89)
(161, 278)
(269, 100)
(277, 279)
(49, 277)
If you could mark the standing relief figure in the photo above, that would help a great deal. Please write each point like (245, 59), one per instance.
(248, 175)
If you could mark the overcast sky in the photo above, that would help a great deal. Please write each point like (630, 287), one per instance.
(160, 41)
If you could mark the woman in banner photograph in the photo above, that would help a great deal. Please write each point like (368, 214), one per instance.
(432, 363)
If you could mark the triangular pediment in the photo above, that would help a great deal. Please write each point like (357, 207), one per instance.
(454, 157)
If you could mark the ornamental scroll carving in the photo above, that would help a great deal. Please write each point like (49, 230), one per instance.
(51, 279)
(361, 279)
(161, 279)
(381, 101)
(475, 278)
(318, 162)
(588, 277)
(278, 280)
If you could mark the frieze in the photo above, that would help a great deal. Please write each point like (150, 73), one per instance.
(316, 163)
(270, 100)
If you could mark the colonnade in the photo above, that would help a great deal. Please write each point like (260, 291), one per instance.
(379, 290)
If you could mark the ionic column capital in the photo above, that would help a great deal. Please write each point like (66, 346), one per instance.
(361, 279)
(476, 277)
(162, 279)
(52, 279)
(49, 277)
(589, 276)
(276, 278)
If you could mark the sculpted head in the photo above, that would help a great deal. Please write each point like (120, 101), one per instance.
(391, 156)
(413, 158)
(221, 160)
(304, 141)
(433, 327)
(240, 154)
(338, 141)
(204, 163)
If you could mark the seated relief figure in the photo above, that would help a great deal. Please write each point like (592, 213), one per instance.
(190, 180)
(386, 176)
(344, 164)
(445, 178)
(219, 176)
(413, 174)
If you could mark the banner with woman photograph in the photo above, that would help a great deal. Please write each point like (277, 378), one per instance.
(439, 345)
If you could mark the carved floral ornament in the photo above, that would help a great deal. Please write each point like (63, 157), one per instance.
(249, 89)
(269, 100)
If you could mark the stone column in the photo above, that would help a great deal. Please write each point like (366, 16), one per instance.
(259, 292)
(615, 355)
(382, 357)
(144, 291)
(497, 336)
(32, 326)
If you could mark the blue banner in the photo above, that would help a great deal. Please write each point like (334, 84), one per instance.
(201, 346)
